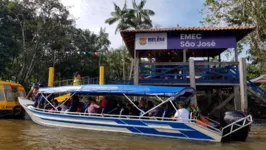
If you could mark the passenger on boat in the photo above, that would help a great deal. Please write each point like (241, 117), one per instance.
(76, 80)
(111, 104)
(55, 104)
(74, 101)
(133, 111)
(64, 106)
(166, 111)
(104, 103)
(33, 92)
(117, 109)
(157, 112)
(142, 103)
(124, 110)
(195, 111)
(39, 100)
(182, 114)
(48, 104)
(93, 106)
(149, 105)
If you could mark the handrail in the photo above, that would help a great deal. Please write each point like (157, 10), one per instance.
(185, 63)
(244, 124)
(209, 126)
(211, 120)
(180, 72)
(83, 80)
(256, 88)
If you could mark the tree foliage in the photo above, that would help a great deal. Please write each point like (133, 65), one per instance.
(130, 18)
(133, 18)
(112, 62)
(242, 13)
(38, 34)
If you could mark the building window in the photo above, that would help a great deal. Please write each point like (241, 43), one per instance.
(2, 96)
(9, 95)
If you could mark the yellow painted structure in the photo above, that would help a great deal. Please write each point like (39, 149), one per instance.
(51, 76)
(101, 80)
(62, 98)
(9, 93)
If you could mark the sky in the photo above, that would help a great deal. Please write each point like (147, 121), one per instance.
(91, 14)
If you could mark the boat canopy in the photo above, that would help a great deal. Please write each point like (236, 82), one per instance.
(93, 89)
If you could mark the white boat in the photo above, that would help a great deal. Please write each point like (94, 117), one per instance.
(235, 126)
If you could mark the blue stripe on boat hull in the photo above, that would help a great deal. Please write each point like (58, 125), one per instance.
(144, 131)
(132, 125)
(176, 125)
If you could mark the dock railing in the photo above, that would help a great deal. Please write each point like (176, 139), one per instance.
(225, 72)
(83, 80)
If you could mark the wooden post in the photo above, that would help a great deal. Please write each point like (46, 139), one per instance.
(236, 54)
(184, 55)
(243, 84)
(237, 98)
(136, 68)
(219, 59)
(223, 103)
(209, 97)
(220, 94)
(192, 79)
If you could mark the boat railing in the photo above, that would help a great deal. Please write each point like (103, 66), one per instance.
(211, 120)
(237, 125)
(165, 119)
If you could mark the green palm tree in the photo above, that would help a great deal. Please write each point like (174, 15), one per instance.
(102, 40)
(136, 18)
(121, 16)
(142, 16)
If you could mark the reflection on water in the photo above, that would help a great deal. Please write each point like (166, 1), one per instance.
(24, 135)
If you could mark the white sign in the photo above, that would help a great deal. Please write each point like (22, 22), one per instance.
(151, 41)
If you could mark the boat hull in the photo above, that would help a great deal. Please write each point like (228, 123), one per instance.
(171, 129)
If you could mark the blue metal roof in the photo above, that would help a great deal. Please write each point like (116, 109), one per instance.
(115, 89)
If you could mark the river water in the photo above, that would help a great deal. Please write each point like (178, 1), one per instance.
(26, 135)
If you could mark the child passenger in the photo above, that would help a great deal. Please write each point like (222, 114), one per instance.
(93, 106)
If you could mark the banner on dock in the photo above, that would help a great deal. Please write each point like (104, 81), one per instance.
(190, 40)
(200, 40)
(151, 41)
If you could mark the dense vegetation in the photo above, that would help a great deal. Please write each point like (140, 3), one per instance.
(242, 13)
(38, 34)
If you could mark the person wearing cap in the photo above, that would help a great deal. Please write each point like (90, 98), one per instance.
(33, 92)
(182, 114)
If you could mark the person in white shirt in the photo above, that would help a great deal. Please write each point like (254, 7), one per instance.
(182, 114)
